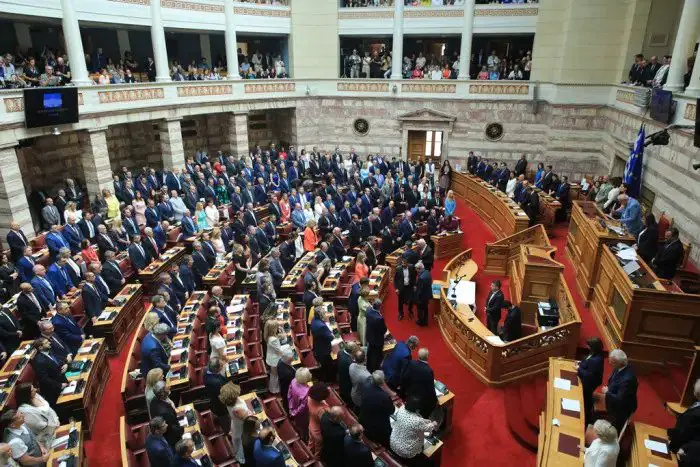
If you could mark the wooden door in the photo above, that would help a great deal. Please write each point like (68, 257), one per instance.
(416, 145)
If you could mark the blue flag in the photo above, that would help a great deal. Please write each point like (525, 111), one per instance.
(633, 169)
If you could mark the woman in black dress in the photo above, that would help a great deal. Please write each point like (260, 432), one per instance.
(648, 239)
(8, 278)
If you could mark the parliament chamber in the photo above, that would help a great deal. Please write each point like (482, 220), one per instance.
(349, 233)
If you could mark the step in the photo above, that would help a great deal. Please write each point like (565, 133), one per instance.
(516, 421)
(529, 404)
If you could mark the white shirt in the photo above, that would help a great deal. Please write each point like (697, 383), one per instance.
(408, 433)
(212, 215)
(510, 187)
(600, 454)
(612, 196)
(217, 343)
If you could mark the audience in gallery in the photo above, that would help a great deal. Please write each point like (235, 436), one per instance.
(427, 3)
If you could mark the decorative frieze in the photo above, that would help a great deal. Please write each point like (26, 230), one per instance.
(690, 111)
(626, 97)
(503, 89)
(366, 13)
(14, 104)
(429, 88)
(506, 11)
(269, 87)
(197, 91)
(434, 13)
(276, 13)
(363, 87)
(130, 95)
(192, 6)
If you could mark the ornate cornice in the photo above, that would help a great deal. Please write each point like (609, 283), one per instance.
(286, 13)
(16, 104)
(690, 111)
(212, 8)
(429, 88)
(133, 2)
(506, 11)
(192, 6)
(626, 97)
(269, 87)
(130, 95)
(513, 89)
(363, 87)
(434, 13)
(365, 13)
(212, 90)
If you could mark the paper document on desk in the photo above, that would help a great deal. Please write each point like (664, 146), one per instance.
(560, 383)
(656, 446)
(70, 389)
(631, 267)
(60, 441)
(629, 254)
(464, 292)
(570, 404)
(495, 340)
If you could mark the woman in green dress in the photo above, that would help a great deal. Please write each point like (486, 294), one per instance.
(363, 305)
(222, 192)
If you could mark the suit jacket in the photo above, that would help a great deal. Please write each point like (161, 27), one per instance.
(512, 326)
(621, 398)
(667, 259)
(494, 304)
(30, 315)
(59, 278)
(106, 243)
(152, 216)
(286, 374)
(112, 275)
(187, 277)
(59, 349)
(159, 451)
(267, 456)
(375, 411)
(212, 384)
(428, 258)
(396, 362)
(25, 268)
(333, 434)
(418, 380)
(48, 371)
(376, 328)
(138, 259)
(687, 428)
(17, 242)
(163, 409)
(55, 241)
(68, 331)
(357, 454)
(648, 243)
(200, 267)
(407, 229)
(590, 370)
(424, 287)
(520, 167)
(94, 300)
(51, 216)
(344, 382)
(153, 355)
(151, 249)
(8, 331)
(85, 227)
(42, 291)
(73, 235)
(322, 338)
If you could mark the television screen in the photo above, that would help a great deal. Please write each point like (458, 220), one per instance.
(50, 106)
(661, 107)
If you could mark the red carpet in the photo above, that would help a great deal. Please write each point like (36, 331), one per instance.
(480, 434)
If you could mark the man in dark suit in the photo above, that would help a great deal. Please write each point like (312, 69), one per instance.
(493, 306)
(337, 245)
(374, 335)
(72, 233)
(687, 427)
(87, 228)
(112, 274)
(213, 381)
(424, 293)
(25, 266)
(17, 241)
(10, 331)
(30, 311)
(104, 242)
(153, 354)
(590, 370)
(264, 451)
(547, 179)
(531, 205)
(94, 298)
(200, 265)
(286, 373)
(345, 359)
(43, 289)
(137, 254)
(66, 328)
(620, 394)
(357, 454)
(669, 256)
(521, 166)
(157, 448)
(407, 229)
(49, 370)
(161, 406)
(512, 325)
(322, 338)
(396, 362)
(333, 435)
(376, 409)
(427, 257)
(419, 381)
(352, 301)
(59, 349)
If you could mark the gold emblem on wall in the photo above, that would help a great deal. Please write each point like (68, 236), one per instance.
(494, 131)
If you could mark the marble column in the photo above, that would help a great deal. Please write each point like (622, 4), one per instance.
(238, 133)
(465, 50)
(97, 170)
(123, 41)
(14, 205)
(205, 48)
(693, 88)
(171, 144)
(231, 42)
(74, 44)
(397, 47)
(160, 51)
(686, 35)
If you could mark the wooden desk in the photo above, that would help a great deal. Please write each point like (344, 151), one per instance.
(584, 244)
(503, 215)
(447, 244)
(192, 428)
(178, 377)
(16, 369)
(378, 281)
(151, 272)
(654, 322)
(336, 275)
(262, 416)
(115, 322)
(236, 357)
(284, 315)
(250, 282)
(83, 405)
(221, 275)
(289, 283)
(641, 456)
(561, 443)
(63, 448)
(548, 208)
(394, 256)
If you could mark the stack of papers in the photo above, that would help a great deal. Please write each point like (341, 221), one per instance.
(656, 446)
(84, 350)
(59, 442)
(628, 254)
(70, 389)
(564, 384)
(570, 404)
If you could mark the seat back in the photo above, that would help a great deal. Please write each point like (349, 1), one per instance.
(136, 436)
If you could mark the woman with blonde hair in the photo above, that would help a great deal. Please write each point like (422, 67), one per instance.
(297, 398)
(218, 243)
(153, 376)
(112, 205)
(361, 269)
(604, 450)
(238, 411)
(120, 234)
(310, 238)
(273, 338)
(200, 217)
(309, 213)
(450, 203)
(363, 305)
(72, 209)
(150, 320)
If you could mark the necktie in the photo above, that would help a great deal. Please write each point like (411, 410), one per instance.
(35, 300)
(48, 284)
(106, 237)
(117, 268)
(143, 253)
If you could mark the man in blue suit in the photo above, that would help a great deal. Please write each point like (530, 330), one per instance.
(159, 308)
(187, 227)
(59, 278)
(137, 254)
(396, 362)
(43, 289)
(259, 193)
(157, 447)
(407, 228)
(16, 240)
(66, 328)
(590, 370)
(376, 409)
(153, 354)
(265, 454)
(25, 266)
(72, 234)
(186, 273)
(424, 292)
(298, 218)
(159, 234)
(621, 392)
(374, 335)
(322, 338)
(55, 241)
(173, 181)
(366, 203)
(94, 299)
(152, 214)
(630, 214)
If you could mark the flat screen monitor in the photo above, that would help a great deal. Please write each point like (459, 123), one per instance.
(661, 107)
(50, 106)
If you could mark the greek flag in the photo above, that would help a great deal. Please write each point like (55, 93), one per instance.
(633, 169)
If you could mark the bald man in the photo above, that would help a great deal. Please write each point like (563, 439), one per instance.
(333, 433)
(30, 311)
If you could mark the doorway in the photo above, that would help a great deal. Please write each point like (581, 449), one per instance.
(426, 145)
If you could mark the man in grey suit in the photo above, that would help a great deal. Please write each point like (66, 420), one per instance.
(50, 214)
(276, 269)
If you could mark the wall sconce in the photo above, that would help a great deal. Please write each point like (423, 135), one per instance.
(308, 90)
(56, 131)
(395, 89)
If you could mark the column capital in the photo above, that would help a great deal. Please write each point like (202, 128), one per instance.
(240, 112)
(98, 129)
(172, 119)
(8, 145)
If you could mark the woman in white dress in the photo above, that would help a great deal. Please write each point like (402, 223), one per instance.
(238, 411)
(212, 214)
(71, 209)
(510, 186)
(153, 376)
(318, 208)
(217, 242)
(218, 345)
(38, 414)
(604, 449)
(309, 213)
(273, 338)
